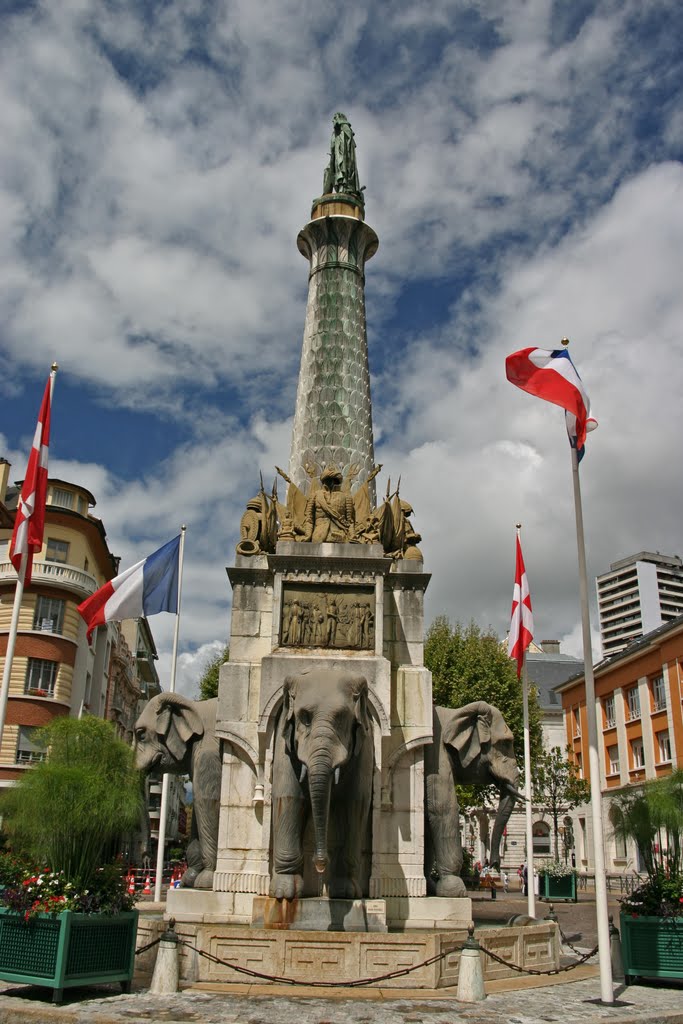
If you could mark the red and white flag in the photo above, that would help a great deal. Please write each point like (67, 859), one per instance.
(29, 525)
(522, 619)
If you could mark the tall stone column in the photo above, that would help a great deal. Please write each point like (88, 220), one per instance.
(333, 415)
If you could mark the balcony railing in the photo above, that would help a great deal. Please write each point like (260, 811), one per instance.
(55, 572)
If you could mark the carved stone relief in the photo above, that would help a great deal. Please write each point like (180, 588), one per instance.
(333, 617)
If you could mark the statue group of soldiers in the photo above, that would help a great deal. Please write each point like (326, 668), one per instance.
(328, 514)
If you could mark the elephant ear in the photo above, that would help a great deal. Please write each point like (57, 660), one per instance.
(469, 730)
(359, 694)
(288, 695)
(178, 724)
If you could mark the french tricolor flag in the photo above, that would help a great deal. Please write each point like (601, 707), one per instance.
(148, 587)
(552, 376)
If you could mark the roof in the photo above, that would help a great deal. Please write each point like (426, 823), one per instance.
(546, 671)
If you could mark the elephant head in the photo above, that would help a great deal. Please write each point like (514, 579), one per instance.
(165, 733)
(481, 748)
(325, 724)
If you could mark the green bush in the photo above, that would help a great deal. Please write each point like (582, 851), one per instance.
(65, 811)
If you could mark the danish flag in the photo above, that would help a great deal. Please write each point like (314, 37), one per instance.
(29, 524)
(522, 619)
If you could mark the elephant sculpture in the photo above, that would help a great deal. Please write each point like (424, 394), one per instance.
(322, 767)
(178, 736)
(472, 745)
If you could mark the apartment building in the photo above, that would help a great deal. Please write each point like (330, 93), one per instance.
(640, 729)
(55, 671)
(638, 594)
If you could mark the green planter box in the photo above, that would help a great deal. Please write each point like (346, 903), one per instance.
(64, 950)
(552, 888)
(652, 947)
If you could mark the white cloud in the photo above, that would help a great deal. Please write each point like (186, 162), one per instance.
(157, 166)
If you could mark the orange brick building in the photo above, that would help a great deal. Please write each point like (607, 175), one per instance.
(639, 710)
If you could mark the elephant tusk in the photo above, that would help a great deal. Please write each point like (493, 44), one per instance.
(304, 769)
(515, 792)
(336, 775)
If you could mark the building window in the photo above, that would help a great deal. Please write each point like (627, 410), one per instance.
(578, 760)
(658, 694)
(663, 747)
(49, 614)
(64, 499)
(637, 754)
(40, 677)
(608, 709)
(541, 838)
(27, 750)
(57, 550)
(633, 699)
(576, 721)
(619, 847)
(613, 760)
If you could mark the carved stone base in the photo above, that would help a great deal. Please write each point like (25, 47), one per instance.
(408, 912)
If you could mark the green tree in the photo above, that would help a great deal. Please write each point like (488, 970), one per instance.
(66, 810)
(468, 664)
(556, 785)
(208, 684)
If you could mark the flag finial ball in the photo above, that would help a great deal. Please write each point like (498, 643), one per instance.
(518, 525)
(54, 367)
(565, 341)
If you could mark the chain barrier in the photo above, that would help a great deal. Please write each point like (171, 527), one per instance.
(143, 949)
(566, 942)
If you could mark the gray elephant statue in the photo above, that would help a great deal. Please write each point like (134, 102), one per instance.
(178, 736)
(323, 768)
(472, 745)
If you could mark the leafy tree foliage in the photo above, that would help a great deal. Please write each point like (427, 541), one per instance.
(556, 786)
(468, 664)
(66, 810)
(208, 684)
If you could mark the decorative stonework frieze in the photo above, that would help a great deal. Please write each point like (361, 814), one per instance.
(241, 881)
(400, 886)
(332, 617)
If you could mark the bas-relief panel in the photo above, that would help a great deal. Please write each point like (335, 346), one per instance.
(337, 618)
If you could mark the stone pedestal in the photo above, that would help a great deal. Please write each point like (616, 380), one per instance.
(389, 653)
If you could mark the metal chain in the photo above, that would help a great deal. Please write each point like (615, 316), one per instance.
(393, 974)
(143, 949)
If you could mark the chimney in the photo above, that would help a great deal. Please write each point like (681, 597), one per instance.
(5, 467)
(550, 646)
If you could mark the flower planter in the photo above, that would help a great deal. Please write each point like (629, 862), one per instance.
(552, 887)
(64, 950)
(651, 947)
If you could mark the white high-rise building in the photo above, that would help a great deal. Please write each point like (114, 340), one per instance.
(638, 594)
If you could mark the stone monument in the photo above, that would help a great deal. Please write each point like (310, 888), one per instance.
(324, 714)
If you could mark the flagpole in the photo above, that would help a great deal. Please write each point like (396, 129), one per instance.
(164, 778)
(16, 609)
(601, 909)
(530, 889)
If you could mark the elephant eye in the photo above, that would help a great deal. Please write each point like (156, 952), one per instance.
(305, 717)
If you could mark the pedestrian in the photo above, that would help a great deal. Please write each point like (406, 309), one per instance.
(525, 881)
(506, 882)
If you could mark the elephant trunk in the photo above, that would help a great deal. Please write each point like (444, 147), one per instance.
(505, 807)
(320, 784)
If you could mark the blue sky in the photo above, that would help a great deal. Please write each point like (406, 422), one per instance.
(522, 163)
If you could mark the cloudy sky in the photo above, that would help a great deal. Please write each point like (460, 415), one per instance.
(522, 168)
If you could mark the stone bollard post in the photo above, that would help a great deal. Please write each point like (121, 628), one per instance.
(166, 977)
(471, 972)
(615, 951)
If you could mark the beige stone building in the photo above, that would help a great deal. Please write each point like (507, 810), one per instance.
(55, 670)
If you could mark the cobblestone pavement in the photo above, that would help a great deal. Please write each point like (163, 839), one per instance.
(566, 1003)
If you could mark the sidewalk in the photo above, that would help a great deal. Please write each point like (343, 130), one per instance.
(568, 1002)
